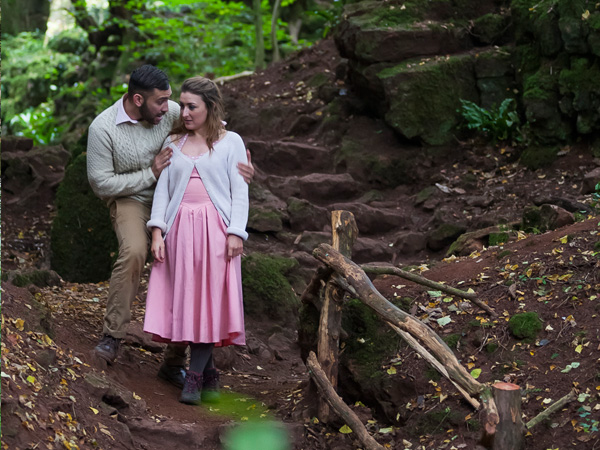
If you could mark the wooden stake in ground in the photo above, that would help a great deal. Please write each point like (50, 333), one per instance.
(345, 233)
(509, 431)
(338, 405)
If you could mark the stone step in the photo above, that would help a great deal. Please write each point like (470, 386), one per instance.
(290, 158)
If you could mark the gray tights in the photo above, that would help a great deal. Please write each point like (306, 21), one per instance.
(201, 357)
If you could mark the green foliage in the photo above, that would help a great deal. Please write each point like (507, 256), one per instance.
(497, 124)
(31, 74)
(216, 37)
(38, 123)
(525, 325)
(267, 291)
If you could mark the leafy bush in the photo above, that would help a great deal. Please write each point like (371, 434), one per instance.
(37, 123)
(497, 124)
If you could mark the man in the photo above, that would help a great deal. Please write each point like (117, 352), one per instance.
(124, 161)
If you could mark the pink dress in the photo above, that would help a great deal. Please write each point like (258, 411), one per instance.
(195, 295)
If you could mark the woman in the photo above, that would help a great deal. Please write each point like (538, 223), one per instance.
(198, 222)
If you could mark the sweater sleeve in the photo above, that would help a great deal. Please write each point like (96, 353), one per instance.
(101, 171)
(158, 216)
(239, 190)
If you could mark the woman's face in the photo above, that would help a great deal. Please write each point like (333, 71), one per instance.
(193, 110)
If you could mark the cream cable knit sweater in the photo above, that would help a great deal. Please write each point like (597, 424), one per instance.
(119, 157)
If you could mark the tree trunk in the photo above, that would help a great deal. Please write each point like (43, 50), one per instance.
(259, 59)
(345, 233)
(274, 43)
(24, 15)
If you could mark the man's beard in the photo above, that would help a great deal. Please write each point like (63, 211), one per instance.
(147, 115)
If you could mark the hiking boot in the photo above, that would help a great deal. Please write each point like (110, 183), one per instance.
(192, 389)
(210, 386)
(173, 374)
(107, 348)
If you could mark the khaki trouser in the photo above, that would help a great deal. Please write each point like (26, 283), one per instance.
(129, 218)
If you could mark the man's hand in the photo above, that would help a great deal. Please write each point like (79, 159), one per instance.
(162, 160)
(246, 170)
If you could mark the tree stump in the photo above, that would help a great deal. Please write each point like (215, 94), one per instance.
(509, 431)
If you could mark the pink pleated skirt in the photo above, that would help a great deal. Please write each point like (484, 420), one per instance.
(195, 295)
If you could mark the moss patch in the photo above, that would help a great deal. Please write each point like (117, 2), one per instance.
(425, 96)
(536, 157)
(267, 291)
(525, 325)
(369, 343)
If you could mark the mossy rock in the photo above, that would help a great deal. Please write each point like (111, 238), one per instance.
(537, 21)
(83, 242)
(444, 235)
(574, 33)
(537, 157)
(490, 28)
(525, 325)
(424, 98)
(40, 278)
(424, 194)
(579, 83)
(268, 294)
(355, 158)
(265, 219)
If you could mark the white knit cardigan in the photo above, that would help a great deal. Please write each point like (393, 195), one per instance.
(225, 186)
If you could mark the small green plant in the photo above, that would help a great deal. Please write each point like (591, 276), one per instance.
(525, 325)
(596, 197)
(498, 124)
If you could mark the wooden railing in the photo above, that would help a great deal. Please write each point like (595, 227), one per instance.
(500, 403)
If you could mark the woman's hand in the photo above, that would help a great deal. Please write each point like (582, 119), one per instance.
(158, 245)
(235, 246)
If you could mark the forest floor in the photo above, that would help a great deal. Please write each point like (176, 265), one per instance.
(56, 394)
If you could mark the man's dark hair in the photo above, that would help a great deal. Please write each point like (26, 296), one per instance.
(146, 78)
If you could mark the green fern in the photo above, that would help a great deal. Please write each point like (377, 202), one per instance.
(497, 124)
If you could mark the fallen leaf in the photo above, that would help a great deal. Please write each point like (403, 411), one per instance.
(475, 373)
(345, 430)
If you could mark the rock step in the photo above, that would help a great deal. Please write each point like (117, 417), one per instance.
(290, 158)
(378, 44)
(319, 188)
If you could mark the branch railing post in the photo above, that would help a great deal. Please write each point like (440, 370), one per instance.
(345, 232)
